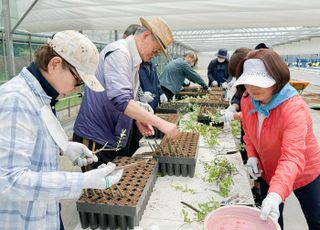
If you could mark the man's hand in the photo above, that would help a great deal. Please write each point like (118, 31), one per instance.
(79, 154)
(169, 129)
(163, 98)
(148, 96)
(225, 85)
(214, 83)
(145, 129)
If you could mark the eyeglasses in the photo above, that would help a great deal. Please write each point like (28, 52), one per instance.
(76, 76)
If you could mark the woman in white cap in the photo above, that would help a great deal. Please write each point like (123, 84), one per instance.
(31, 137)
(279, 137)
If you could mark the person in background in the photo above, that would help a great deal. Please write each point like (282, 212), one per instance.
(233, 112)
(186, 81)
(218, 74)
(31, 137)
(104, 116)
(261, 46)
(131, 29)
(175, 72)
(279, 137)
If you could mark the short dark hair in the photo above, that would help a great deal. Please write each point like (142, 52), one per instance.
(261, 46)
(274, 64)
(44, 54)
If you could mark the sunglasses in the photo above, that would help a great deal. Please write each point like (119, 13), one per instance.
(76, 76)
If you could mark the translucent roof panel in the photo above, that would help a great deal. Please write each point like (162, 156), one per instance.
(203, 25)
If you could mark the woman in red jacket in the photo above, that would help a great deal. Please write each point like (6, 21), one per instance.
(279, 137)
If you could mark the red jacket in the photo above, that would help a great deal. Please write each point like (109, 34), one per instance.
(287, 150)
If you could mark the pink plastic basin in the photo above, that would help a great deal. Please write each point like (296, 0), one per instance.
(238, 217)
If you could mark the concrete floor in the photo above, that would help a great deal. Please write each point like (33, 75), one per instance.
(293, 216)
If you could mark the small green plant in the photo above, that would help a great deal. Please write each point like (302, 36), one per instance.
(186, 218)
(208, 132)
(236, 128)
(220, 171)
(242, 146)
(214, 117)
(183, 188)
(201, 212)
(120, 139)
(205, 208)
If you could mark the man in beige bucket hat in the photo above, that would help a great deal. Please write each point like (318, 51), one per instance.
(31, 137)
(103, 116)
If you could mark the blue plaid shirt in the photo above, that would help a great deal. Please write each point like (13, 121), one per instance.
(30, 183)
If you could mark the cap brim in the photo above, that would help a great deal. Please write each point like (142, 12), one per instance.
(91, 81)
(256, 80)
(146, 24)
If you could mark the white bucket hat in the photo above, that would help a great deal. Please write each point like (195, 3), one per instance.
(255, 73)
(81, 53)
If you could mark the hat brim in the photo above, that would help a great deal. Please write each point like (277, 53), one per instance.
(146, 24)
(91, 81)
(221, 56)
(256, 80)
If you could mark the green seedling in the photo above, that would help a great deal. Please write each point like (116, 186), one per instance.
(220, 171)
(183, 188)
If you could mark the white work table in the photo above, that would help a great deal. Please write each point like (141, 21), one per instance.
(164, 208)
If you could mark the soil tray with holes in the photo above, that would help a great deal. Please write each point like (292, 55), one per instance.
(169, 107)
(182, 94)
(174, 107)
(216, 88)
(194, 88)
(209, 102)
(170, 117)
(178, 157)
(218, 93)
(122, 205)
(204, 116)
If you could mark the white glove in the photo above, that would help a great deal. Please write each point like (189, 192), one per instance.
(163, 98)
(148, 96)
(231, 108)
(270, 206)
(230, 84)
(224, 85)
(186, 81)
(252, 167)
(146, 106)
(227, 116)
(214, 83)
(103, 177)
(79, 154)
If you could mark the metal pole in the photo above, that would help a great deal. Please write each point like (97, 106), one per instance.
(116, 35)
(24, 15)
(8, 38)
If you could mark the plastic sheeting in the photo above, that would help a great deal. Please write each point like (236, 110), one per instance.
(195, 16)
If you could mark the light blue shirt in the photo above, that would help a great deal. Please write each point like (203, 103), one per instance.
(30, 182)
